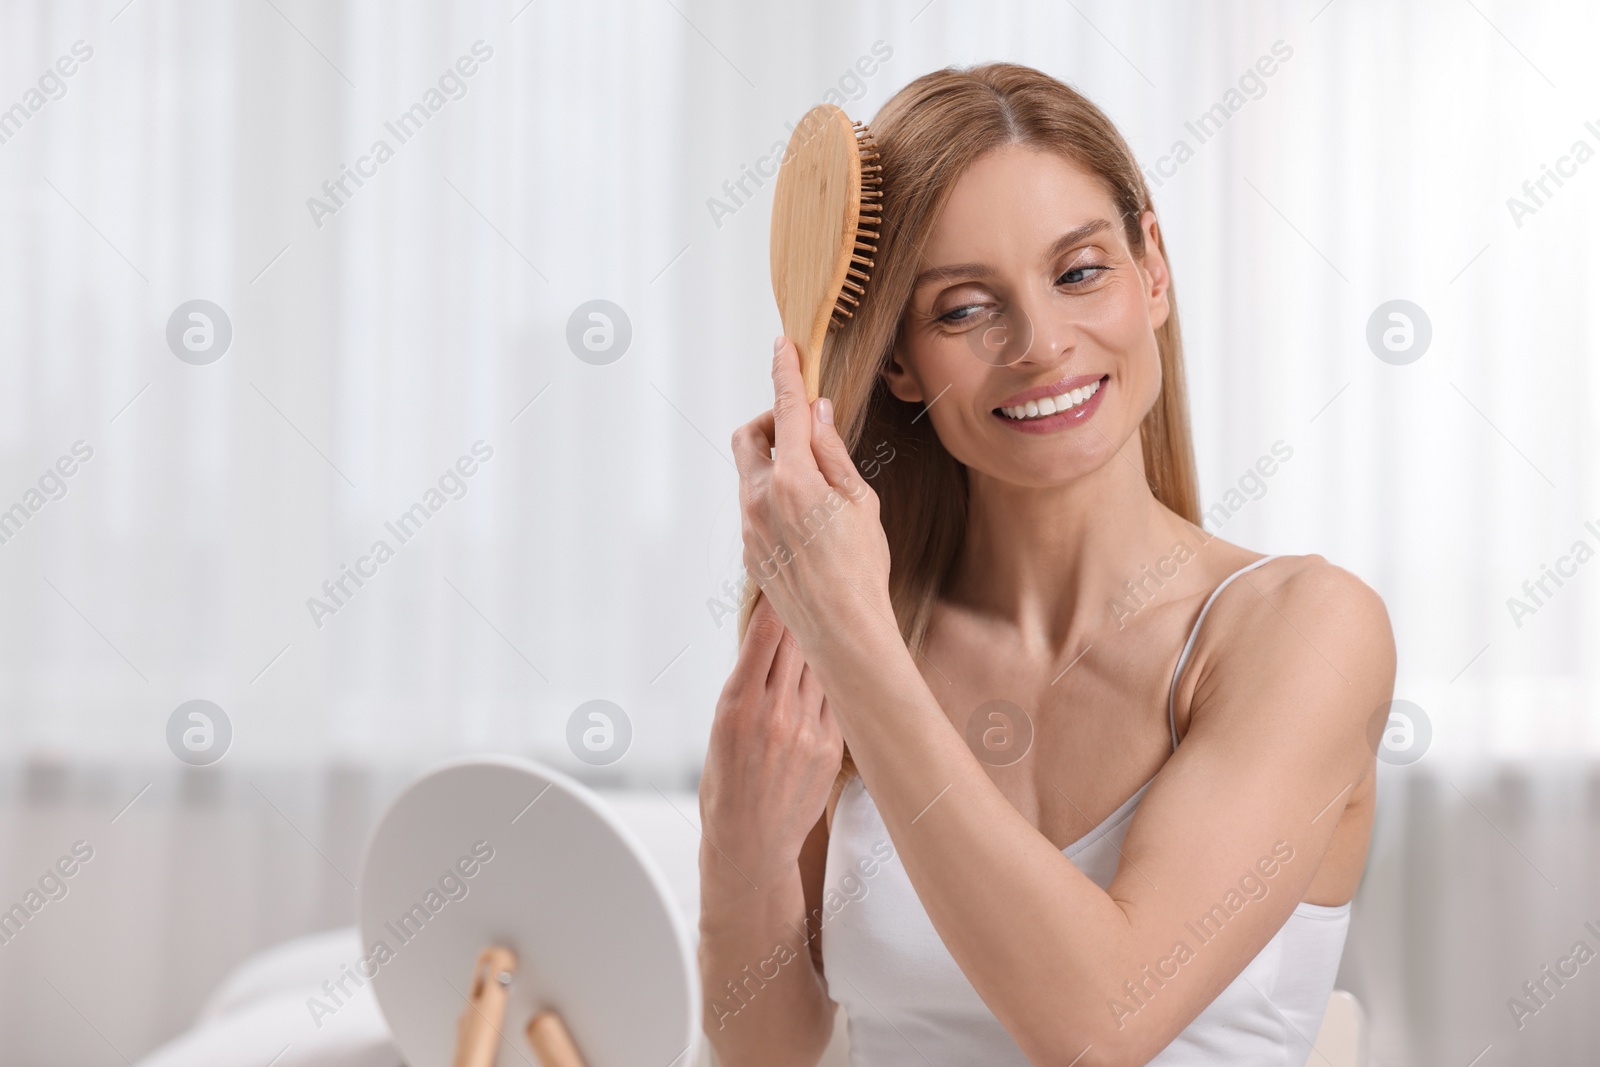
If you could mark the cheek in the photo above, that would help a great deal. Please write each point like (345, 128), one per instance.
(949, 371)
(1121, 324)
(957, 432)
(1144, 375)
(944, 359)
(1124, 338)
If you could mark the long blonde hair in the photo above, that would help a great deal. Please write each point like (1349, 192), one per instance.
(928, 134)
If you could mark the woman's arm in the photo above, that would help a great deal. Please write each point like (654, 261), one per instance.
(765, 1001)
(1238, 820)
(1250, 799)
(771, 761)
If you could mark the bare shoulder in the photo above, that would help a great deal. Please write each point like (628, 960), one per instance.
(1294, 627)
(1310, 591)
(1297, 659)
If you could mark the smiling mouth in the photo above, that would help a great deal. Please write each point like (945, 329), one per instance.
(1044, 407)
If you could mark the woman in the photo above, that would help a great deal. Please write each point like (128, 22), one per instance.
(1108, 786)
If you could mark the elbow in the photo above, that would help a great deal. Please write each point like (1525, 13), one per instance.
(1094, 1046)
(1090, 1054)
(1113, 1054)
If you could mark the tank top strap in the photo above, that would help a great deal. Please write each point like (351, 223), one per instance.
(1194, 631)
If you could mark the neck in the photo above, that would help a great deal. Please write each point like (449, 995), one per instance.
(1052, 562)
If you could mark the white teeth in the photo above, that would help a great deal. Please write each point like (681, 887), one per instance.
(1051, 405)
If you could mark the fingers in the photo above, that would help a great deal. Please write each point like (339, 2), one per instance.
(787, 664)
(810, 691)
(833, 458)
(790, 405)
(827, 722)
(761, 641)
(772, 653)
(752, 446)
(752, 455)
(825, 716)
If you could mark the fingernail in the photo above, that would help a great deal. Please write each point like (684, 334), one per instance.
(825, 410)
(777, 345)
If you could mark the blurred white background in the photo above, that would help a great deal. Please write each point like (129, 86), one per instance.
(593, 154)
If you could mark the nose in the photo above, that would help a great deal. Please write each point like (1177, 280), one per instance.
(1044, 336)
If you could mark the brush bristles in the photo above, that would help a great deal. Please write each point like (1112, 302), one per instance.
(867, 224)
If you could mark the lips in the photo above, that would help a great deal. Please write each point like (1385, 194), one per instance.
(1076, 404)
(1065, 385)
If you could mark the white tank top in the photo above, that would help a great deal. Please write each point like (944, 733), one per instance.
(909, 1005)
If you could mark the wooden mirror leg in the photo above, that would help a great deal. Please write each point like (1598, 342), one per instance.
(551, 1042)
(478, 1028)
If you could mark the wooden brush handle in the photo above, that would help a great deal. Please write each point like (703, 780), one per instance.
(478, 1028)
(551, 1042)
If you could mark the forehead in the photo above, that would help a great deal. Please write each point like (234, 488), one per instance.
(1012, 203)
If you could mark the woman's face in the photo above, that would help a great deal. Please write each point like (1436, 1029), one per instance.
(1028, 289)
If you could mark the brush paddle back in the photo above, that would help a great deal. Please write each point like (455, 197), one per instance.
(825, 213)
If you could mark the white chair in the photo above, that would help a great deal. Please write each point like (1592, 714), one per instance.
(1342, 1041)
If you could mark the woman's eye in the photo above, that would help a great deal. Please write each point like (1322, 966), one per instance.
(1080, 275)
(957, 316)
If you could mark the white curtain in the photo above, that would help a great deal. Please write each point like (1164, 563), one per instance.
(594, 153)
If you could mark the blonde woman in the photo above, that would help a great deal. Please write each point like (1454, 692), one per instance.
(1017, 764)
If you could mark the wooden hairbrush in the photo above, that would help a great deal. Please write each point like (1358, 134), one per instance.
(825, 216)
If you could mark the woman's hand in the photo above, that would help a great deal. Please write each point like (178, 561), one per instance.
(770, 766)
(772, 758)
(812, 538)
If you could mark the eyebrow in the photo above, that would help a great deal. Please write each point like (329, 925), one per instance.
(983, 270)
